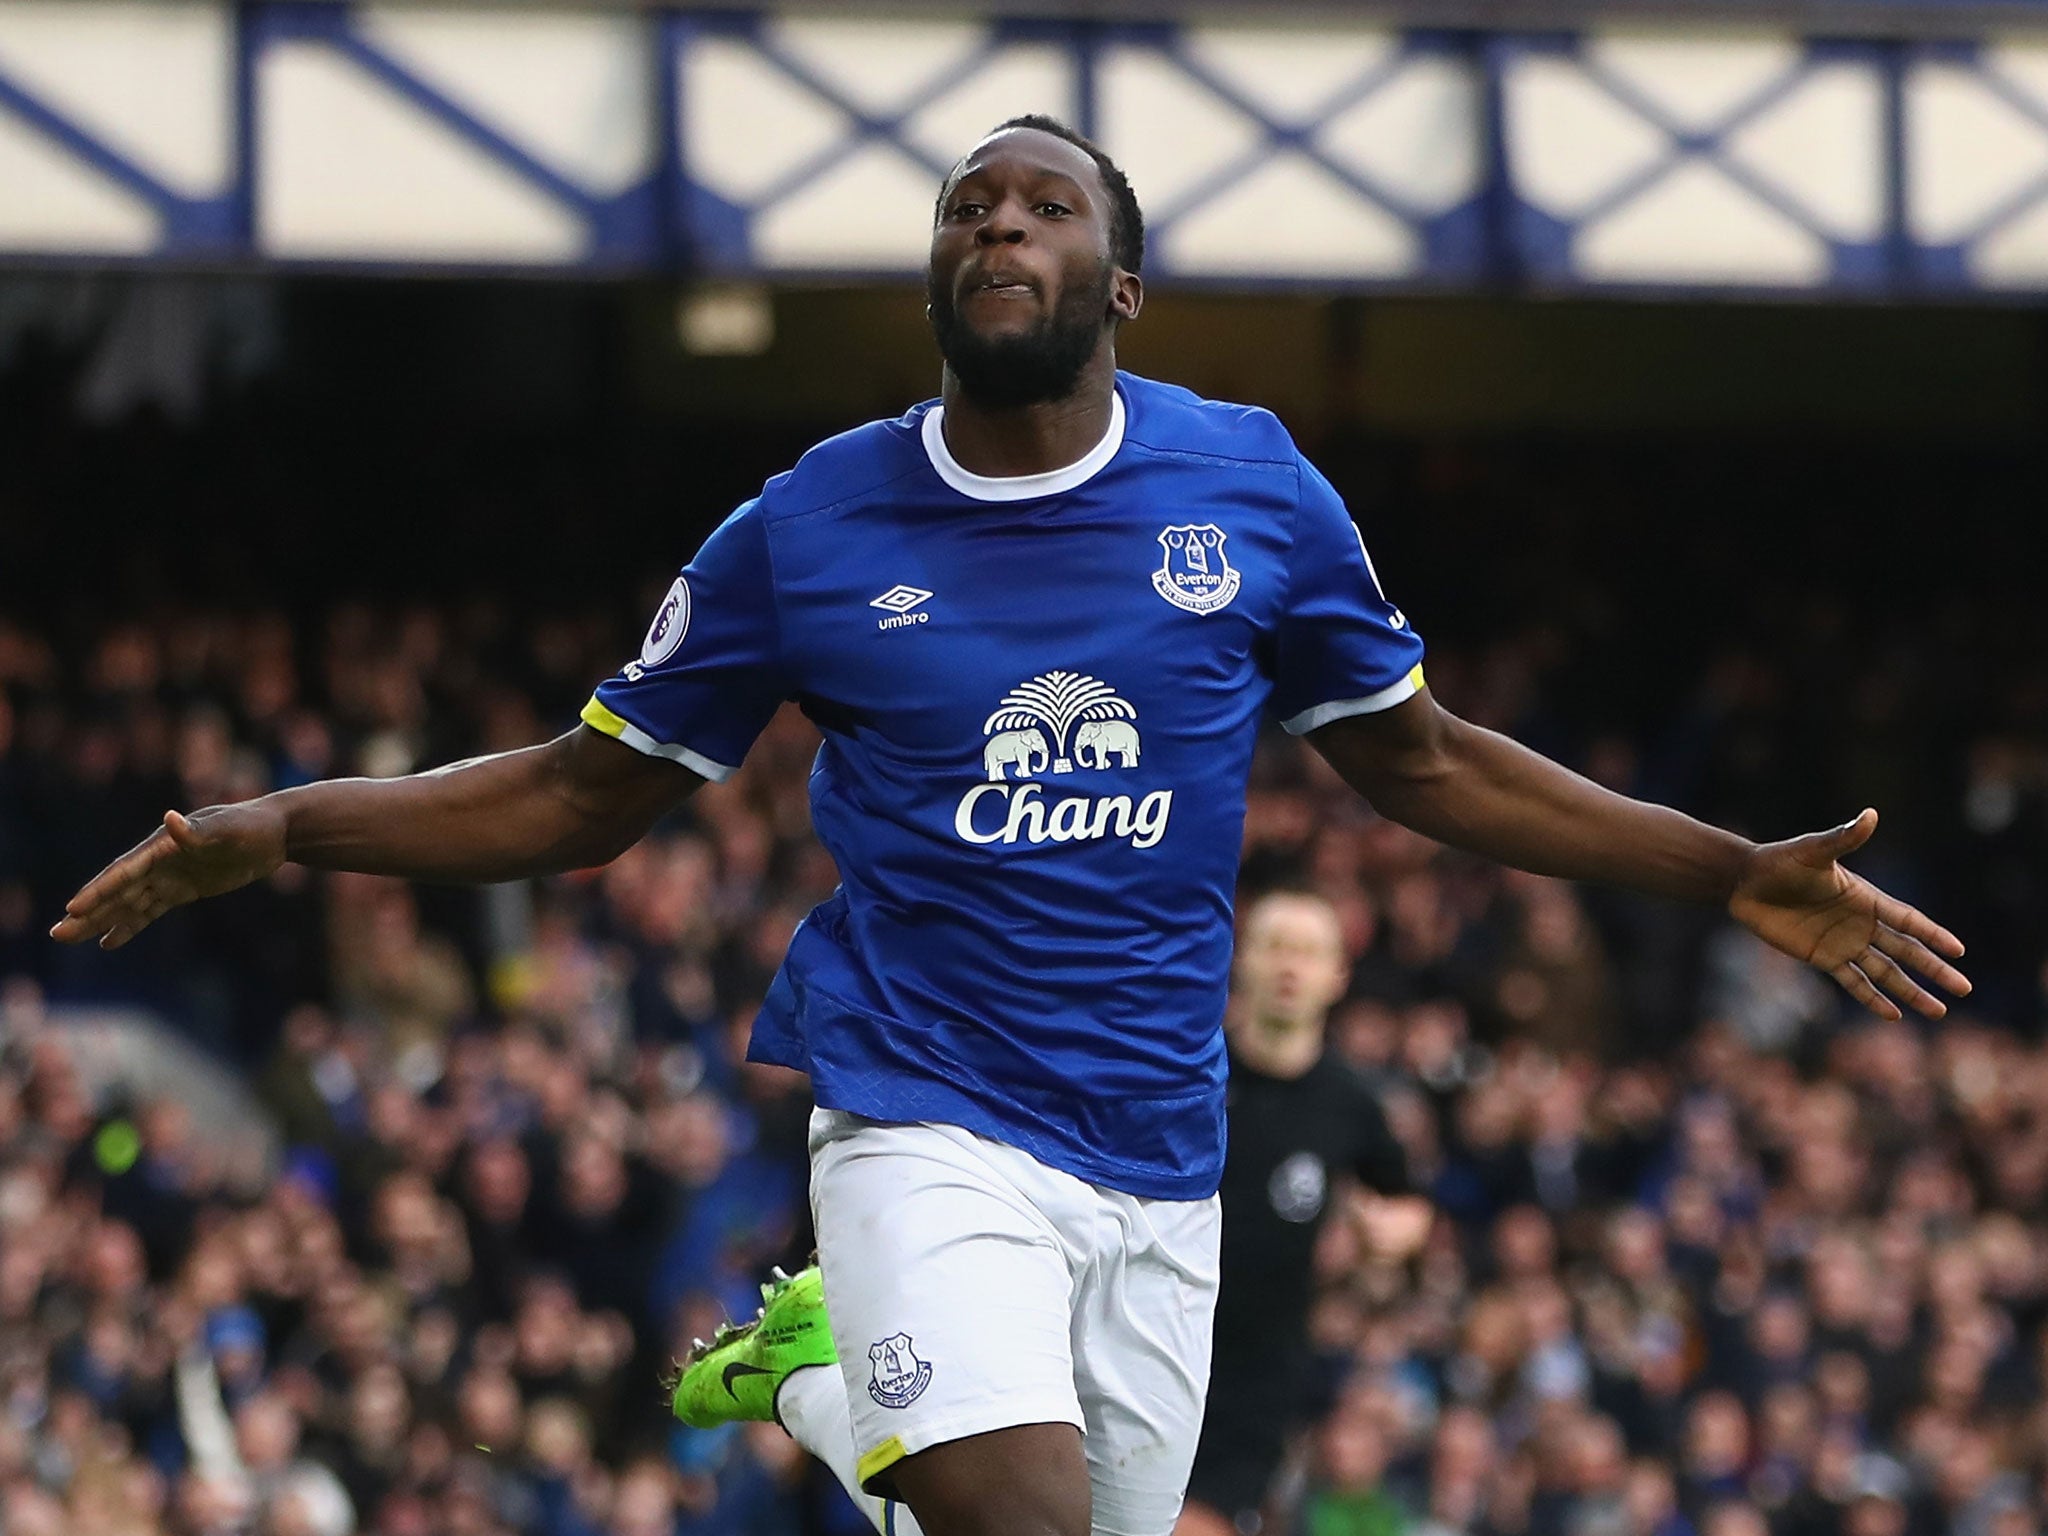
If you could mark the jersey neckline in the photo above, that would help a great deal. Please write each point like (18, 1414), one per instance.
(1021, 487)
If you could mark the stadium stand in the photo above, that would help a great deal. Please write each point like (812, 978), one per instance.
(1719, 1257)
(339, 1205)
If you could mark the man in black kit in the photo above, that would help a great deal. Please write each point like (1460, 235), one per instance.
(1300, 1119)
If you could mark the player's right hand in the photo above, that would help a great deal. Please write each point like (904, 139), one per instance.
(219, 849)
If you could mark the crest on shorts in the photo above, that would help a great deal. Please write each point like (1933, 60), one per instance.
(1193, 571)
(900, 1377)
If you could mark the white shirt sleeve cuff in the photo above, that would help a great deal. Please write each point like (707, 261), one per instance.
(1371, 704)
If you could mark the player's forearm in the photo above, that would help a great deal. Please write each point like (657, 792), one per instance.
(1476, 789)
(504, 817)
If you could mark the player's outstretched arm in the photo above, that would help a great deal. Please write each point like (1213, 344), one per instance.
(577, 801)
(1474, 788)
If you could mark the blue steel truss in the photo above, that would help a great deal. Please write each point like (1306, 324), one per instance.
(1495, 236)
(1943, 266)
(626, 229)
(1543, 242)
(1454, 240)
(192, 228)
(715, 230)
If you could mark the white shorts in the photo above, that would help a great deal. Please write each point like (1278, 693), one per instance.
(972, 1288)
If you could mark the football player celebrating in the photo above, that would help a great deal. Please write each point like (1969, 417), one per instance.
(1011, 1010)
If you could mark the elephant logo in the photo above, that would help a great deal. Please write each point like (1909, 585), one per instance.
(899, 1376)
(1029, 736)
(1193, 571)
(1008, 749)
(1052, 704)
(1106, 736)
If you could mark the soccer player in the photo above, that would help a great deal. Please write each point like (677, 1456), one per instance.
(1038, 622)
(1298, 1119)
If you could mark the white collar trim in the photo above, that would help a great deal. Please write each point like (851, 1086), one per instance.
(1021, 487)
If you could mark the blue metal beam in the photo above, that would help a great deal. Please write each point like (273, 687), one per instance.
(191, 226)
(1498, 237)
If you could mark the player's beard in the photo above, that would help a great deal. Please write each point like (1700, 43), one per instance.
(1031, 367)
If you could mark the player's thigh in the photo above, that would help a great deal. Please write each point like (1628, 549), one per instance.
(950, 1295)
(1028, 1480)
(1141, 1362)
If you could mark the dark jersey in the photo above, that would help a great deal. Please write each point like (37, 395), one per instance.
(1291, 1139)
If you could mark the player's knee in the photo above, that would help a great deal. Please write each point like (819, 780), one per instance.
(1031, 1480)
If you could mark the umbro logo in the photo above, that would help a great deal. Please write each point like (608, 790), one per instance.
(899, 600)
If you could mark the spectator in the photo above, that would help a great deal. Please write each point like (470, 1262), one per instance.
(1712, 1257)
(1347, 1496)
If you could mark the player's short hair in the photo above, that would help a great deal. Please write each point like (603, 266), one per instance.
(1126, 218)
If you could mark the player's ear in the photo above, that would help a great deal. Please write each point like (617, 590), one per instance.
(1126, 296)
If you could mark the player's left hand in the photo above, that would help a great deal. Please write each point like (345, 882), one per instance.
(1797, 897)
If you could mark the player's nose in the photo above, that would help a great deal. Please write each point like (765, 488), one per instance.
(1002, 226)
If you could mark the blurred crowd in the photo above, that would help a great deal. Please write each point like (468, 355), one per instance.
(1717, 1258)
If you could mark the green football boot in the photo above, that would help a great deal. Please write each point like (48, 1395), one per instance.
(737, 1374)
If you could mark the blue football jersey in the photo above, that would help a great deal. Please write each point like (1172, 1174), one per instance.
(1039, 697)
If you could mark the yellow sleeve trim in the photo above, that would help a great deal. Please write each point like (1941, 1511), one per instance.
(878, 1461)
(610, 723)
(598, 718)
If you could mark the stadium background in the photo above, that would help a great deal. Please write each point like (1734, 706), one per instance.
(365, 373)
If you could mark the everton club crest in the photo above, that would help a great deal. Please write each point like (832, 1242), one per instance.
(900, 1377)
(1194, 574)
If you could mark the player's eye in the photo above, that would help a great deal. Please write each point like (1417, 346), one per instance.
(969, 210)
(1054, 210)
